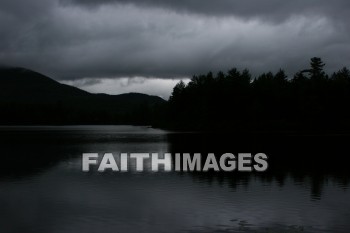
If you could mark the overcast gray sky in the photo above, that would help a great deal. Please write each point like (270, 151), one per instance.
(96, 44)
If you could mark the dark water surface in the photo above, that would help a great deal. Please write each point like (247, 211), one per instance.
(42, 187)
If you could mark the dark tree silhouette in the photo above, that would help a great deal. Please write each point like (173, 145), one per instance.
(310, 101)
(316, 70)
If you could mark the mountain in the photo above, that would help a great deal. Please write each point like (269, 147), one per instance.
(28, 97)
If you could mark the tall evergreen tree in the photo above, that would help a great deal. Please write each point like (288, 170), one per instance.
(316, 70)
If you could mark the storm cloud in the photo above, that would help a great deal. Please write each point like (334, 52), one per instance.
(82, 39)
(274, 10)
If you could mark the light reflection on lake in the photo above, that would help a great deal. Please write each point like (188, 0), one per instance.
(42, 188)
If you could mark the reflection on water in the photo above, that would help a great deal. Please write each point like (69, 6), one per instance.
(42, 188)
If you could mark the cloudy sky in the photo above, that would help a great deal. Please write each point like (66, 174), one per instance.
(117, 46)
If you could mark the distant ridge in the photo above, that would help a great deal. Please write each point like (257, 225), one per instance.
(28, 97)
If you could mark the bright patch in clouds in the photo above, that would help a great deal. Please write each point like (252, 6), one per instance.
(151, 86)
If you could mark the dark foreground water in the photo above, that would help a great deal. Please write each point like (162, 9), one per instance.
(42, 187)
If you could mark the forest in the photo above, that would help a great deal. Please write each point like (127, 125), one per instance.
(311, 100)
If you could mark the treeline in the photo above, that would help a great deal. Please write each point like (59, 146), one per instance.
(310, 101)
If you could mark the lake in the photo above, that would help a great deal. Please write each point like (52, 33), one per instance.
(42, 187)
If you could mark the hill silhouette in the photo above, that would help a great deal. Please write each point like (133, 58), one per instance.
(28, 97)
(311, 101)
